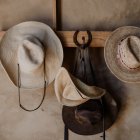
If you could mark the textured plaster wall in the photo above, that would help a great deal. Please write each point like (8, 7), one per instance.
(99, 14)
(15, 11)
(46, 123)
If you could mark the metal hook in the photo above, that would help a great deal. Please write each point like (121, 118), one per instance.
(84, 45)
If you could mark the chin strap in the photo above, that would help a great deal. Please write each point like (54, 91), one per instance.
(103, 112)
(19, 86)
(66, 133)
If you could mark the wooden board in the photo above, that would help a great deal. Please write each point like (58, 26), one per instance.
(54, 7)
(98, 38)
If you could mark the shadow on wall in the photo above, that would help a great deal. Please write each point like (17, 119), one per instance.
(106, 79)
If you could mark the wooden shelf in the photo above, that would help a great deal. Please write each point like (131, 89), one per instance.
(66, 37)
(98, 38)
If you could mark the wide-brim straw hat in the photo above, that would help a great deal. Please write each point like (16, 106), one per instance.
(91, 111)
(70, 91)
(121, 53)
(30, 44)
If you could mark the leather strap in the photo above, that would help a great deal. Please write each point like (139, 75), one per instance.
(103, 111)
(84, 70)
(66, 133)
(19, 86)
(82, 67)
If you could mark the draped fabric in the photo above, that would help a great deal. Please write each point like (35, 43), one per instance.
(83, 69)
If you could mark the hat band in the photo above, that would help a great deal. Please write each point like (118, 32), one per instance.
(120, 53)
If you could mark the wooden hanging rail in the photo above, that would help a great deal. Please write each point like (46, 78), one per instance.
(98, 38)
(66, 37)
(54, 8)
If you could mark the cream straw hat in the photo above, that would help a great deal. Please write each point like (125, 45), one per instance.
(122, 53)
(70, 91)
(29, 44)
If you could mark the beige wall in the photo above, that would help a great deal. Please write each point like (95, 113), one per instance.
(75, 14)
(99, 14)
(15, 11)
(46, 123)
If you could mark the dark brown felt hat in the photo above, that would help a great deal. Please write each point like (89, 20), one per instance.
(91, 116)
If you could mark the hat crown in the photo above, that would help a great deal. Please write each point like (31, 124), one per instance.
(30, 54)
(85, 113)
(129, 52)
(33, 50)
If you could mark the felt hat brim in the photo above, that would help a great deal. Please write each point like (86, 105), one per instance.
(111, 112)
(111, 52)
